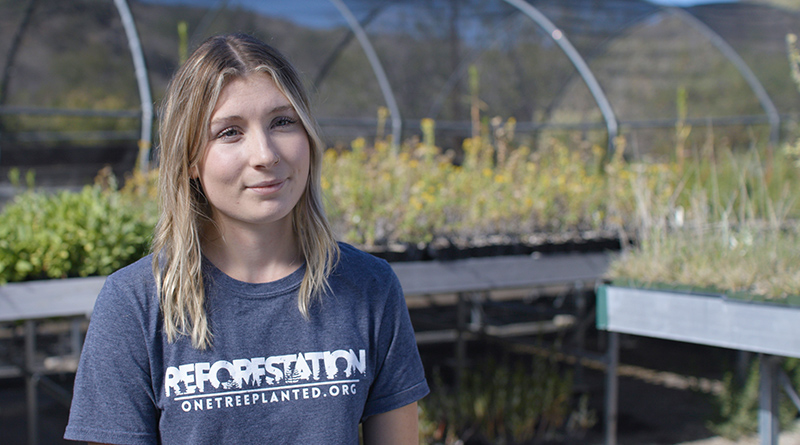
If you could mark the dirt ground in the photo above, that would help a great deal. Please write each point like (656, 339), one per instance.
(666, 395)
(786, 438)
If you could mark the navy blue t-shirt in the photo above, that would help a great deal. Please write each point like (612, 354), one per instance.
(270, 375)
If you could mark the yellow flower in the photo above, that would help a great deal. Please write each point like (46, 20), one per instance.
(358, 144)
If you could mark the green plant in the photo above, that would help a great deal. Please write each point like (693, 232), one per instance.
(738, 403)
(377, 197)
(499, 403)
(69, 234)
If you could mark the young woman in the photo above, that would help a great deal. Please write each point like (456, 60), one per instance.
(248, 323)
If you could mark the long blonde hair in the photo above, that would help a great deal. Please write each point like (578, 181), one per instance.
(185, 113)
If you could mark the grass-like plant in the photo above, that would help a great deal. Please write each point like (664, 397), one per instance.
(500, 403)
(729, 226)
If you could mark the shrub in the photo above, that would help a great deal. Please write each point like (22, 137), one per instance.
(74, 234)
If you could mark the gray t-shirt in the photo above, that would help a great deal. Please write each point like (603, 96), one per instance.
(270, 376)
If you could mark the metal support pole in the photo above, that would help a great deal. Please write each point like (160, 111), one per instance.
(476, 322)
(579, 340)
(374, 61)
(337, 51)
(768, 427)
(583, 69)
(786, 383)
(140, 69)
(612, 389)
(60, 394)
(31, 382)
(752, 80)
(76, 340)
(461, 341)
(12, 53)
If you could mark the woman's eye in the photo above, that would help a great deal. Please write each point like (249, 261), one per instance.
(228, 133)
(283, 121)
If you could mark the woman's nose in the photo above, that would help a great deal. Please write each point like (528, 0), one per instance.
(263, 151)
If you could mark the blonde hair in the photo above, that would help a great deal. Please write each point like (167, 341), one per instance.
(185, 113)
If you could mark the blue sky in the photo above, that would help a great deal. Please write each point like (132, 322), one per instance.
(322, 13)
(688, 2)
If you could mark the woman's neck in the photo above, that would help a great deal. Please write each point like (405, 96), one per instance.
(253, 255)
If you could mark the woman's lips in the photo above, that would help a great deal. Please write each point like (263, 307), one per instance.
(267, 187)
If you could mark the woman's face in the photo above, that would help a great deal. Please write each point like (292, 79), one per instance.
(256, 160)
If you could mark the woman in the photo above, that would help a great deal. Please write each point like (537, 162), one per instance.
(248, 323)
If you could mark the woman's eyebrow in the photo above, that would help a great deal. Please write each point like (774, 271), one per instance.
(282, 108)
(224, 120)
(277, 109)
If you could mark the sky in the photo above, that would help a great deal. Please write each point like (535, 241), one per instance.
(684, 3)
(322, 13)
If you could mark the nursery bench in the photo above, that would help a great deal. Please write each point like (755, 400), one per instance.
(459, 283)
(32, 302)
(765, 328)
(469, 284)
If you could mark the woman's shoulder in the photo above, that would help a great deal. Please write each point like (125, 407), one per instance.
(138, 271)
(361, 273)
(352, 257)
(127, 292)
(362, 267)
(134, 282)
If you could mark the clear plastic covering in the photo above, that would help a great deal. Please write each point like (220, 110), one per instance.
(549, 64)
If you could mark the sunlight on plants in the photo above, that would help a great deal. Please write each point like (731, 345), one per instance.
(376, 197)
(724, 219)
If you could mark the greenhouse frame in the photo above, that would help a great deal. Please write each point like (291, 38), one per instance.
(603, 69)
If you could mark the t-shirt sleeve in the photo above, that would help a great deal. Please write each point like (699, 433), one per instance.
(113, 400)
(400, 377)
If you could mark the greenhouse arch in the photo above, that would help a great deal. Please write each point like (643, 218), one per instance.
(412, 58)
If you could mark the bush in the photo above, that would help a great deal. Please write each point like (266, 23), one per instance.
(74, 234)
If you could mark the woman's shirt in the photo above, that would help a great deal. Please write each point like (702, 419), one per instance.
(270, 373)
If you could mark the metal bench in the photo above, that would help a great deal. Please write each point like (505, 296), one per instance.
(466, 285)
(32, 304)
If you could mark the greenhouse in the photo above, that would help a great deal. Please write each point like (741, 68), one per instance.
(590, 205)
(90, 71)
